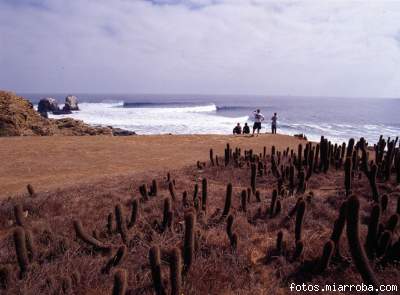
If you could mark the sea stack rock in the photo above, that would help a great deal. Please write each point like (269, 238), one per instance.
(46, 105)
(71, 103)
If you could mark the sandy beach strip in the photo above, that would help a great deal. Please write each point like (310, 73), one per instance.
(53, 162)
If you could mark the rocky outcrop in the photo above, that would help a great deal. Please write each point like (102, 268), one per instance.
(46, 105)
(19, 118)
(71, 103)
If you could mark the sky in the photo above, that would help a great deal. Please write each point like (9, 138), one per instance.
(300, 48)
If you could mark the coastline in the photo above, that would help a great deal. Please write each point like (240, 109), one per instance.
(52, 162)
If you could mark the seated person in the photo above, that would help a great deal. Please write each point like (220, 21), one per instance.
(237, 129)
(246, 129)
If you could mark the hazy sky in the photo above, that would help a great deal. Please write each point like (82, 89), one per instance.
(334, 48)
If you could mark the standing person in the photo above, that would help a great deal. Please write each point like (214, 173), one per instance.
(258, 118)
(273, 123)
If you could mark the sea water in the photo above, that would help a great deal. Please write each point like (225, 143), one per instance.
(336, 118)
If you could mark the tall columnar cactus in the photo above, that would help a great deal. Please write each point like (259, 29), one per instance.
(227, 154)
(338, 229)
(325, 259)
(253, 177)
(81, 234)
(234, 241)
(397, 167)
(384, 243)
(121, 223)
(258, 196)
(144, 192)
(31, 191)
(353, 237)
(19, 215)
(134, 213)
(30, 245)
(350, 147)
(5, 277)
(166, 212)
(310, 168)
(243, 201)
(185, 202)
(248, 194)
(372, 181)
(301, 207)
(120, 282)
(291, 179)
(188, 248)
(392, 222)
(273, 202)
(347, 176)
(212, 157)
(316, 157)
(229, 225)
(154, 188)
(228, 200)
(176, 272)
(301, 187)
(372, 235)
(110, 223)
(155, 265)
(115, 260)
(21, 251)
(299, 157)
(204, 194)
(171, 189)
(279, 242)
(384, 202)
(298, 250)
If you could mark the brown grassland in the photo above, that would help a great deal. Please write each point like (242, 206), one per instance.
(41, 251)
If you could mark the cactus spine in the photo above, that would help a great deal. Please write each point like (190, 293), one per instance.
(353, 238)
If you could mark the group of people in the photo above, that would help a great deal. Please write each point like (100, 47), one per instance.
(258, 119)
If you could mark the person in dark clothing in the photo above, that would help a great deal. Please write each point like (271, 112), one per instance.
(274, 120)
(246, 129)
(237, 129)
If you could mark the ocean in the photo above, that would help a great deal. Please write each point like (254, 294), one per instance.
(336, 118)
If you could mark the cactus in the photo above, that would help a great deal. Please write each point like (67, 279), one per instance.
(253, 177)
(30, 245)
(279, 242)
(273, 202)
(350, 147)
(171, 189)
(347, 178)
(5, 277)
(30, 190)
(155, 265)
(325, 259)
(204, 194)
(134, 213)
(258, 197)
(185, 202)
(384, 202)
(188, 248)
(298, 250)
(229, 224)
(81, 234)
(166, 211)
(301, 187)
(212, 157)
(392, 222)
(120, 282)
(248, 194)
(234, 241)
(278, 208)
(110, 223)
(176, 272)
(66, 285)
(154, 188)
(398, 205)
(372, 235)
(121, 224)
(228, 200)
(19, 215)
(338, 229)
(227, 154)
(384, 243)
(299, 157)
(291, 179)
(301, 207)
(21, 251)
(243, 201)
(115, 260)
(144, 192)
(353, 237)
